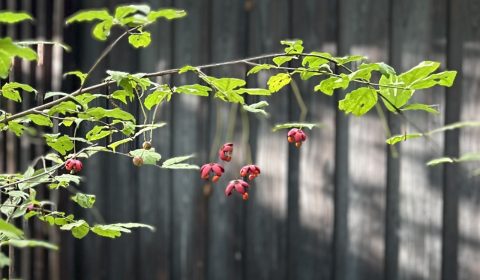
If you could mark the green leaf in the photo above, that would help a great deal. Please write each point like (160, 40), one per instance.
(115, 144)
(194, 89)
(10, 90)
(328, 85)
(280, 60)
(364, 72)
(402, 137)
(277, 82)
(10, 230)
(463, 158)
(140, 40)
(4, 260)
(293, 46)
(98, 132)
(178, 163)
(98, 113)
(101, 30)
(16, 128)
(148, 156)
(166, 13)
(122, 95)
(310, 126)
(445, 79)
(396, 97)
(157, 96)
(421, 107)
(61, 144)
(347, 59)
(82, 76)
(89, 15)
(316, 59)
(13, 17)
(418, 72)
(133, 225)
(84, 200)
(40, 120)
(31, 243)
(226, 84)
(63, 108)
(256, 108)
(187, 68)
(259, 68)
(359, 101)
(124, 11)
(456, 125)
(109, 231)
(254, 91)
(78, 228)
(9, 50)
(441, 160)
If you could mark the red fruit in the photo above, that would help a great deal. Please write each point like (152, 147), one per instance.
(214, 168)
(245, 196)
(251, 170)
(69, 164)
(296, 136)
(73, 165)
(78, 166)
(225, 152)
(137, 161)
(239, 186)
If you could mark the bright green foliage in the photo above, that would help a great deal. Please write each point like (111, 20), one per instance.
(179, 163)
(11, 90)
(19, 243)
(13, 17)
(421, 107)
(84, 200)
(9, 50)
(328, 85)
(277, 82)
(402, 137)
(359, 101)
(194, 89)
(10, 230)
(148, 156)
(115, 230)
(257, 108)
(463, 158)
(259, 68)
(163, 92)
(293, 46)
(294, 125)
(79, 229)
(140, 40)
(60, 143)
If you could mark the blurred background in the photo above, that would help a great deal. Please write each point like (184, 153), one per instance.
(340, 207)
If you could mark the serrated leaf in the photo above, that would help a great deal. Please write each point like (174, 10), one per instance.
(259, 68)
(140, 40)
(61, 144)
(359, 101)
(84, 200)
(40, 120)
(31, 243)
(194, 89)
(277, 82)
(89, 15)
(421, 107)
(330, 84)
(310, 126)
(148, 156)
(256, 108)
(166, 13)
(402, 137)
(13, 17)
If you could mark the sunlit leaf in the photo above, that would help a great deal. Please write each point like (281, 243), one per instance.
(359, 101)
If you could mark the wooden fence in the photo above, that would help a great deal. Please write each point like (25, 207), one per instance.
(341, 207)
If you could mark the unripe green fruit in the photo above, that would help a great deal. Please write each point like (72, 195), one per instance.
(147, 145)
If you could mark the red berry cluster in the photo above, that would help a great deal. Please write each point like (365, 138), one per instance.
(297, 136)
(73, 165)
(215, 169)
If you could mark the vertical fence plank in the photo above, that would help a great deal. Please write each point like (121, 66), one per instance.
(225, 243)
(310, 237)
(420, 192)
(464, 57)
(362, 30)
(266, 210)
(155, 185)
(188, 212)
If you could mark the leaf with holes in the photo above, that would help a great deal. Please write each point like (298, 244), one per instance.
(359, 101)
(277, 82)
